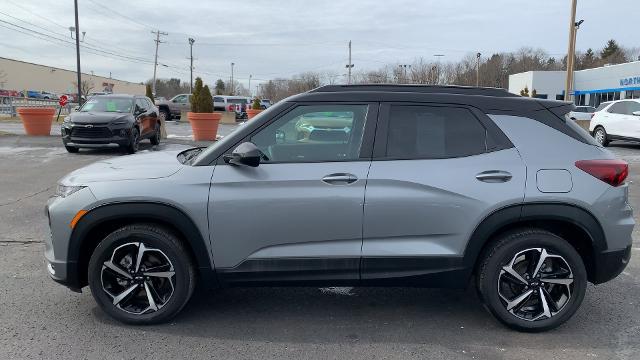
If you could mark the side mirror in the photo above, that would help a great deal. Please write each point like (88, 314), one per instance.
(246, 154)
(636, 113)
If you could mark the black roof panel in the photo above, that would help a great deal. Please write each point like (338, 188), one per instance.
(424, 89)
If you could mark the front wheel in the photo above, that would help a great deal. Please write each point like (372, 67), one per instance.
(531, 280)
(134, 140)
(601, 136)
(141, 274)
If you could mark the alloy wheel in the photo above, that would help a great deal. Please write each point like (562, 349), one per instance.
(138, 279)
(535, 284)
(600, 137)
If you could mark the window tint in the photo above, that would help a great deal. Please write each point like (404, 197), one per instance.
(618, 108)
(433, 132)
(632, 106)
(314, 133)
(141, 105)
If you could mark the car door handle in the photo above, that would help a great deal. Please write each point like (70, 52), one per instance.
(494, 176)
(339, 179)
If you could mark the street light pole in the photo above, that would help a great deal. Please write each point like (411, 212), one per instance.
(349, 65)
(478, 69)
(75, 5)
(231, 85)
(571, 52)
(250, 84)
(191, 41)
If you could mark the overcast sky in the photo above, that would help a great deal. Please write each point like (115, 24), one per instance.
(280, 38)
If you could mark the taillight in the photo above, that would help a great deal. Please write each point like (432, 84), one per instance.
(231, 108)
(613, 172)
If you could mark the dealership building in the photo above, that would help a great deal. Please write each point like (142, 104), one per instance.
(591, 86)
(21, 75)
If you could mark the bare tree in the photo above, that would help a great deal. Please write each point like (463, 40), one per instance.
(85, 87)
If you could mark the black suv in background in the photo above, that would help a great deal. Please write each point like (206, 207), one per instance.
(112, 121)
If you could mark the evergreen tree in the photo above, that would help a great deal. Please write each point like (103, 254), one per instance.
(149, 93)
(205, 100)
(219, 88)
(197, 89)
(611, 49)
(534, 93)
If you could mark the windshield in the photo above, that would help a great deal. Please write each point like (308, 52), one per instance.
(107, 104)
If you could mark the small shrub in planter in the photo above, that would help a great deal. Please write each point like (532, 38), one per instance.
(256, 108)
(204, 122)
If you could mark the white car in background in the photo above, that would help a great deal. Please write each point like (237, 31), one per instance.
(616, 120)
(582, 113)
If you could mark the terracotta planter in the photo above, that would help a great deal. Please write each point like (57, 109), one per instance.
(253, 112)
(37, 121)
(204, 125)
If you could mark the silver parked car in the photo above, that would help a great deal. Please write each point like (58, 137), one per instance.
(372, 185)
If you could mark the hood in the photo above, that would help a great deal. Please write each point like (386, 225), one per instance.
(97, 117)
(144, 165)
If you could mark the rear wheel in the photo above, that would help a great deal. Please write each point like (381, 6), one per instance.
(532, 280)
(155, 139)
(141, 274)
(601, 136)
(164, 115)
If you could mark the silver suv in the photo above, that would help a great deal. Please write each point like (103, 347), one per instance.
(425, 186)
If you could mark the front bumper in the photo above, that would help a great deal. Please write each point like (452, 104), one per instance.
(60, 211)
(95, 137)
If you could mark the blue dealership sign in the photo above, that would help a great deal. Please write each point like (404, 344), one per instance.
(630, 81)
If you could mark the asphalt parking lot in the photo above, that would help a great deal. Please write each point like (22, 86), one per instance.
(40, 319)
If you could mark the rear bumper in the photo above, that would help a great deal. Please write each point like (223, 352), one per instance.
(610, 264)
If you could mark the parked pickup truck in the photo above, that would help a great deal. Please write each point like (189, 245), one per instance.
(171, 109)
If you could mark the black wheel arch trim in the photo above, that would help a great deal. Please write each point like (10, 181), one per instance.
(538, 211)
(155, 211)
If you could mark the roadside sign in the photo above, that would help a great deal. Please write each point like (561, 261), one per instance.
(64, 99)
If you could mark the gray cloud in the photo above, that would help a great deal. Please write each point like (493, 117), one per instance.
(284, 37)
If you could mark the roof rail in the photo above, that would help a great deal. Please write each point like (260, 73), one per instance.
(426, 89)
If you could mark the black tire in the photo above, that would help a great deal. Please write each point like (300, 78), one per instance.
(157, 134)
(71, 149)
(134, 140)
(500, 254)
(605, 138)
(156, 238)
(166, 114)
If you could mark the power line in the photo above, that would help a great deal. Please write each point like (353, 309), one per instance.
(111, 11)
(40, 16)
(59, 34)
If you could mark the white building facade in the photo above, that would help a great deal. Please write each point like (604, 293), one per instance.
(591, 86)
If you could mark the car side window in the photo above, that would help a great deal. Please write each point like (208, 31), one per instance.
(181, 99)
(618, 108)
(218, 99)
(314, 133)
(632, 107)
(140, 106)
(433, 132)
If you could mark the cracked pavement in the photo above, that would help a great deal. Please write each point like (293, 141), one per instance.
(41, 319)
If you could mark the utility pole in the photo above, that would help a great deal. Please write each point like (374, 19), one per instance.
(349, 65)
(191, 41)
(231, 85)
(250, 84)
(478, 69)
(75, 4)
(155, 65)
(571, 52)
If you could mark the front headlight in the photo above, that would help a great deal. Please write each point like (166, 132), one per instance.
(64, 191)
